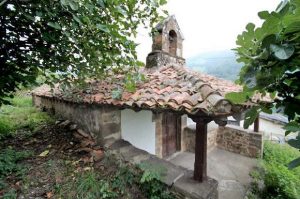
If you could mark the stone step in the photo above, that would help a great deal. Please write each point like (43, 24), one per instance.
(176, 177)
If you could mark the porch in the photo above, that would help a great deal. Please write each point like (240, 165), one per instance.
(231, 170)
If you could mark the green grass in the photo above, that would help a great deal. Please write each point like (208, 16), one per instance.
(20, 115)
(9, 159)
(279, 181)
(122, 181)
(10, 166)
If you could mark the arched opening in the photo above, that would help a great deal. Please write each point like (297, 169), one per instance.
(172, 42)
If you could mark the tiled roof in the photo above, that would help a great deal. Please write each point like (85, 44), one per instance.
(166, 88)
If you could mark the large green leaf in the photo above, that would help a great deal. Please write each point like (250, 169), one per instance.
(250, 78)
(295, 142)
(237, 97)
(295, 163)
(268, 40)
(263, 14)
(101, 3)
(103, 27)
(64, 2)
(54, 25)
(282, 5)
(292, 126)
(77, 19)
(250, 27)
(293, 27)
(74, 5)
(250, 116)
(282, 52)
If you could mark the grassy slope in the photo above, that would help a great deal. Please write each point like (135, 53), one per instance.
(21, 115)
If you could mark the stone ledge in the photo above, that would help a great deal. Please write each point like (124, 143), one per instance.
(192, 189)
(172, 172)
(238, 128)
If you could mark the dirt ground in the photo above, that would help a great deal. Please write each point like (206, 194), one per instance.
(60, 154)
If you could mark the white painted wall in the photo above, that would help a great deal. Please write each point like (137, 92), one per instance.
(210, 126)
(138, 129)
(268, 127)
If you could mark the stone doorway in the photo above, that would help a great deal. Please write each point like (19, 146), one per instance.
(171, 134)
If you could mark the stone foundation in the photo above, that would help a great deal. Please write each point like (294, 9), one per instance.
(101, 122)
(231, 138)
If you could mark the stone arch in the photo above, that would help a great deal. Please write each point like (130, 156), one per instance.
(173, 43)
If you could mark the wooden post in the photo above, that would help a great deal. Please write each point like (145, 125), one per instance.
(256, 124)
(200, 166)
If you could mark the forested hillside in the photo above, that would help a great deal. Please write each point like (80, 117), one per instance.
(218, 63)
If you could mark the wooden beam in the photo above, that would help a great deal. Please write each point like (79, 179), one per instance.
(178, 133)
(256, 124)
(200, 166)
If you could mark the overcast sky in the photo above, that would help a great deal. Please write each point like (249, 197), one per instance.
(209, 25)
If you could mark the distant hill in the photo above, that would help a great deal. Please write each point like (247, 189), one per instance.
(218, 63)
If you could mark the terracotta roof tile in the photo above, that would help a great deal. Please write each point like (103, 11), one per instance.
(167, 88)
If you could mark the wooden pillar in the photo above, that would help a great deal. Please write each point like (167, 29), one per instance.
(200, 166)
(256, 124)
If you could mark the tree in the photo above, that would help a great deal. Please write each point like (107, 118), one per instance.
(271, 64)
(69, 40)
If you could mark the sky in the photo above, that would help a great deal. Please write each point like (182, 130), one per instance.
(209, 25)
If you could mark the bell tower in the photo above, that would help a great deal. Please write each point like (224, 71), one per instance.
(167, 45)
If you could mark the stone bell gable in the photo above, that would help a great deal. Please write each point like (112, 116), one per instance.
(167, 45)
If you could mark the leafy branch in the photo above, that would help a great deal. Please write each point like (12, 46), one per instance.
(270, 55)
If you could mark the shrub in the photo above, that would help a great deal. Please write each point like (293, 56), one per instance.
(279, 181)
(279, 153)
(150, 182)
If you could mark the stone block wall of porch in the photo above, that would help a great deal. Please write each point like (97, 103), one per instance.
(101, 122)
(231, 138)
(188, 138)
(242, 141)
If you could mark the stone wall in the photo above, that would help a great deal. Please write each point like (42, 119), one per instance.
(101, 122)
(161, 40)
(188, 138)
(231, 138)
(160, 58)
(241, 141)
